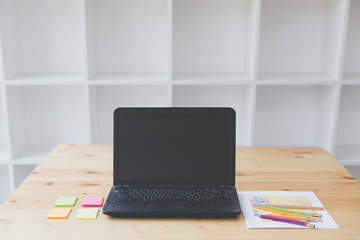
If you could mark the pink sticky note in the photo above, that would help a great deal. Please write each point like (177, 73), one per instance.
(92, 202)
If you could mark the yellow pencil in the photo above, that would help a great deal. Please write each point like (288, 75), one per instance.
(282, 215)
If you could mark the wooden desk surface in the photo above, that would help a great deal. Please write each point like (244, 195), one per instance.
(86, 170)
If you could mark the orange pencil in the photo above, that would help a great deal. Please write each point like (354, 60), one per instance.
(282, 215)
(281, 212)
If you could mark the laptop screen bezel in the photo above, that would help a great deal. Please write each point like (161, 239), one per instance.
(226, 112)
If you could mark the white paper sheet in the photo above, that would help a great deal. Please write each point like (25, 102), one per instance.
(253, 221)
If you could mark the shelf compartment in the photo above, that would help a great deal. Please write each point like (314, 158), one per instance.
(128, 39)
(4, 182)
(295, 116)
(21, 173)
(301, 39)
(348, 155)
(354, 171)
(105, 99)
(43, 116)
(3, 133)
(347, 149)
(3, 154)
(32, 154)
(213, 39)
(42, 39)
(237, 97)
(351, 78)
(352, 50)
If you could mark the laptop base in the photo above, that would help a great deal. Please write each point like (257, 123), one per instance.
(167, 209)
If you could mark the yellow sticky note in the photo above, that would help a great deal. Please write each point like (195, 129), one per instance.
(87, 213)
(59, 213)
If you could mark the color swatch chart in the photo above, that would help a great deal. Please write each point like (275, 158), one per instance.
(277, 200)
(252, 205)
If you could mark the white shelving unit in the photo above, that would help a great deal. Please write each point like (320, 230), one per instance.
(21, 172)
(5, 185)
(290, 69)
(42, 116)
(295, 115)
(3, 147)
(124, 36)
(348, 140)
(352, 51)
(213, 39)
(301, 39)
(42, 40)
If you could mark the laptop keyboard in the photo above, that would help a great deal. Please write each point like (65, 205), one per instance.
(176, 194)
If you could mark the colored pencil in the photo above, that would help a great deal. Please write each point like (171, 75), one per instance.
(289, 218)
(296, 217)
(286, 214)
(310, 219)
(282, 213)
(274, 218)
(295, 207)
(293, 211)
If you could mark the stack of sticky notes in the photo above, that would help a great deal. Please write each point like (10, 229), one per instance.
(89, 213)
(62, 210)
(59, 212)
(65, 202)
(92, 202)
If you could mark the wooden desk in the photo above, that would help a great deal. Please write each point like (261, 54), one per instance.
(86, 170)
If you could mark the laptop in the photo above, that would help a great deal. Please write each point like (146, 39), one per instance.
(174, 163)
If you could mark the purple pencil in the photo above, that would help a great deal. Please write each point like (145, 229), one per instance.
(275, 218)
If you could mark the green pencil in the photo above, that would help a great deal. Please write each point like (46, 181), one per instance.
(292, 211)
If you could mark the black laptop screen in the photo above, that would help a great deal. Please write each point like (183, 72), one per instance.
(174, 146)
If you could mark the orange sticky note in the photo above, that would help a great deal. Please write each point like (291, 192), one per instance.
(59, 213)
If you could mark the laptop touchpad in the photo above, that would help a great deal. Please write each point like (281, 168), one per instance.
(162, 207)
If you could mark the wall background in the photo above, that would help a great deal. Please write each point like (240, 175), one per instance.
(290, 69)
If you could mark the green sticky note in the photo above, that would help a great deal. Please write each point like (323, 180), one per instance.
(87, 213)
(65, 202)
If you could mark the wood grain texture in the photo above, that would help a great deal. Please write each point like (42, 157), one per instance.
(86, 171)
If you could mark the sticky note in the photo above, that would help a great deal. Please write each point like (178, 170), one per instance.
(65, 202)
(59, 213)
(87, 213)
(92, 202)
